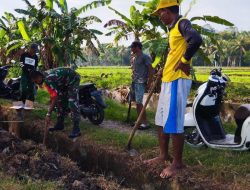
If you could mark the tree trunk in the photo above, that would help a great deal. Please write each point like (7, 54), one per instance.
(47, 57)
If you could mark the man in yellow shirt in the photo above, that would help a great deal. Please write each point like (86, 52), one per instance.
(184, 41)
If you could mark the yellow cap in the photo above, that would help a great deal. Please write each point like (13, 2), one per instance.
(164, 4)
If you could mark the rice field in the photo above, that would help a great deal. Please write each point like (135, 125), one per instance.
(112, 77)
(238, 89)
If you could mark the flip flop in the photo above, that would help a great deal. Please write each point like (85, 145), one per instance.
(144, 126)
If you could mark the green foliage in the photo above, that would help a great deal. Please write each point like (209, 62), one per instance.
(135, 25)
(247, 58)
(49, 4)
(14, 72)
(59, 32)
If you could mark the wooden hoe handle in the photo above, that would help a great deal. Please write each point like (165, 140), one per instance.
(137, 124)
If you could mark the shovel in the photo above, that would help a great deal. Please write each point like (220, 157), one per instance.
(137, 124)
(45, 133)
(129, 108)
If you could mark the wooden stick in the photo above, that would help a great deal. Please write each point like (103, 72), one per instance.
(45, 133)
(137, 124)
(129, 108)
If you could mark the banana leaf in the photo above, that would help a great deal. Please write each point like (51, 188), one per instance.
(92, 5)
(156, 61)
(16, 45)
(121, 15)
(22, 30)
(214, 19)
(49, 4)
(64, 5)
(24, 12)
(2, 33)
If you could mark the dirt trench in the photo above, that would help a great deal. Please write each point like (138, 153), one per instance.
(92, 157)
(24, 159)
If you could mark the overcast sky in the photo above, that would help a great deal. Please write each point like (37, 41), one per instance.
(235, 11)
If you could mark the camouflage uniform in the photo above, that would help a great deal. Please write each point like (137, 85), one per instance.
(65, 82)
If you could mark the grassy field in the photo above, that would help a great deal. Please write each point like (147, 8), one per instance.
(236, 75)
(112, 77)
(238, 89)
(106, 77)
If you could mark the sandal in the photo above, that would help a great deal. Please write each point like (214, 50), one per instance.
(144, 126)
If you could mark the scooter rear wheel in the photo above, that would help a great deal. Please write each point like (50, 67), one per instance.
(193, 138)
(98, 117)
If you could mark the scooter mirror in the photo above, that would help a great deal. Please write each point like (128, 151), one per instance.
(226, 78)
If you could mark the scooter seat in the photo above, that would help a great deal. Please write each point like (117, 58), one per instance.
(240, 116)
(242, 112)
(86, 86)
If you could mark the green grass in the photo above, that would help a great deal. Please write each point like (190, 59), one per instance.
(106, 77)
(10, 183)
(118, 112)
(117, 139)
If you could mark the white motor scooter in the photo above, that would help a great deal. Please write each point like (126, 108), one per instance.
(203, 124)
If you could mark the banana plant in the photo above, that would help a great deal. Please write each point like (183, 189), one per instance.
(134, 26)
(10, 38)
(61, 33)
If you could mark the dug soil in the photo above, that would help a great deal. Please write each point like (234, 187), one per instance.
(24, 158)
(21, 158)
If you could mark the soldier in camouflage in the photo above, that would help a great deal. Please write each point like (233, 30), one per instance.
(63, 87)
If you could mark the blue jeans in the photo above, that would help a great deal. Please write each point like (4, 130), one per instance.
(137, 92)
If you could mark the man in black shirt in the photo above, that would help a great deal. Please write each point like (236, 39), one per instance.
(29, 62)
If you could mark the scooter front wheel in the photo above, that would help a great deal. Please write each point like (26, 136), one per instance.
(193, 138)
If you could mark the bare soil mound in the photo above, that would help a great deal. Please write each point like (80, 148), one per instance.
(24, 158)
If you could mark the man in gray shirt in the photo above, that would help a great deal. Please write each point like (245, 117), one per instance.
(142, 74)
